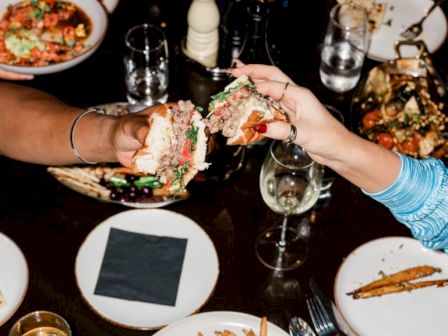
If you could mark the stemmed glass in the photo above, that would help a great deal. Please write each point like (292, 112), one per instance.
(290, 185)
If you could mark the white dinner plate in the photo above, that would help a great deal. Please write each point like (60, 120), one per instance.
(199, 272)
(209, 322)
(419, 312)
(401, 14)
(13, 277)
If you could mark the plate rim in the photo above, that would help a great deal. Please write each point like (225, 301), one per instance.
(403, 239)
(210, 314)
(14, 245)
(127, 326)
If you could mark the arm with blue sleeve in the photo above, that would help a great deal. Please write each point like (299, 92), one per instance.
(419, 199)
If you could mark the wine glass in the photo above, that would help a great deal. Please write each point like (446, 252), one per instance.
(290, 185)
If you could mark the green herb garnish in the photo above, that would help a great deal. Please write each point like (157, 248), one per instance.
(152, 182)
(192, 134)
(180, 173)
(119, 181)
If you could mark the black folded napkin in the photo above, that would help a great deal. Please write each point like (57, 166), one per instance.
(141, 267)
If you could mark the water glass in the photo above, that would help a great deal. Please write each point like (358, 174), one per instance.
(40, 323)
(146, 65)
(344, 47)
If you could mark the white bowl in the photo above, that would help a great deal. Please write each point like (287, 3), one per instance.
(98, 17)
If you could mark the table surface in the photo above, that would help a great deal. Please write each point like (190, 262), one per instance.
(49, 221)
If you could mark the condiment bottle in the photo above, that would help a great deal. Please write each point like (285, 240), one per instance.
(202, 42)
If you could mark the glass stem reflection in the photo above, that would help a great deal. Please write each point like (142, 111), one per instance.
(282, 242)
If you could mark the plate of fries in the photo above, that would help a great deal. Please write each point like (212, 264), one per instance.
(393, 286)
(222, 323)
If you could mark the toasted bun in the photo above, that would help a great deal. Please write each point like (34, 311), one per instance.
(238, 108)
(162, 151)
(256, 110)
(157, 142)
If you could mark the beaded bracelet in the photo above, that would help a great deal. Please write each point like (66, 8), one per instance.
(72, 135)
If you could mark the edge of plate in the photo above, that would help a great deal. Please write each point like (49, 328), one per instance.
(151, 327)
(27, 274)
(220, 312)
(353, 330)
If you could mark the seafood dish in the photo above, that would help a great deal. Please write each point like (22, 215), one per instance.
(42, 32)
(400, 109)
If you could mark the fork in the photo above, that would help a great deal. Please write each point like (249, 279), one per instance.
(415, 29)
(321, 320)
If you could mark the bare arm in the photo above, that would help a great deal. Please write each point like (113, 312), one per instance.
(35, 127)
(327, 141)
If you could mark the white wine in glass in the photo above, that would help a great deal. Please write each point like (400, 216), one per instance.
(290, 185)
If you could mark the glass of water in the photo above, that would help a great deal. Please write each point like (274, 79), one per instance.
(344, 47)
(290, 185)
(146, 65)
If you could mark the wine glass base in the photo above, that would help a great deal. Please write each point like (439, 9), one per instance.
(277, 257)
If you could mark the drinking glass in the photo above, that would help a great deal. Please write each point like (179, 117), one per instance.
(290, 185)
(344, 47)
(40, 323)
(146, 65)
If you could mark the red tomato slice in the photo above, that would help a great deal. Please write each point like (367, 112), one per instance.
(186, 155)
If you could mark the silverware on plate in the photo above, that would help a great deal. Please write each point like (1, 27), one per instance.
(299, 327)
(416, 29)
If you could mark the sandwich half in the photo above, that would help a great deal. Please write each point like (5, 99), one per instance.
(237, 109)
(175, 146)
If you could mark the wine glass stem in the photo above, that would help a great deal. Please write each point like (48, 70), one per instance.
(282, 242)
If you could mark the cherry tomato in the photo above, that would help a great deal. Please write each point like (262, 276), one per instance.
(370, 119)
(385, 140)
(409, 146)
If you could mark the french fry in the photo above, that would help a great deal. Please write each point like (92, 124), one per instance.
(399, 287)
(264, 326)
(399, 277)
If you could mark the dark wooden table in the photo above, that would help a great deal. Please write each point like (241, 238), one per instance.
(49, 221)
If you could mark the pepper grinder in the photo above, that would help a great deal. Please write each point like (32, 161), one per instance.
(202, 42)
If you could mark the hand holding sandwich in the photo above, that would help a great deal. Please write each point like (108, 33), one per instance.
(324, 138)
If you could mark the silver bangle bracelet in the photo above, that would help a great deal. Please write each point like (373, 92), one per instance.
(72, 135)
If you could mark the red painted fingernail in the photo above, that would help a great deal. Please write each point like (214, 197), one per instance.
(261, 128)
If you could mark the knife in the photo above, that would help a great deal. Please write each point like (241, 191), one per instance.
(332, 310)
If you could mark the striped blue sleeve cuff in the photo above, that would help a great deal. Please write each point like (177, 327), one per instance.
(419, 199)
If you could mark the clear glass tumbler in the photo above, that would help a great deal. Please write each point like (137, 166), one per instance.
(41, 323)
(344, 47)
(146, 65)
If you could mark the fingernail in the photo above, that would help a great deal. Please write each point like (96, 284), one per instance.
(261, 128)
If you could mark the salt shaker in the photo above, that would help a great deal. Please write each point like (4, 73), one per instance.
(203, 36)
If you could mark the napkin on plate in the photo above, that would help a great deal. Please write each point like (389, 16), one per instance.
(141, 267)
